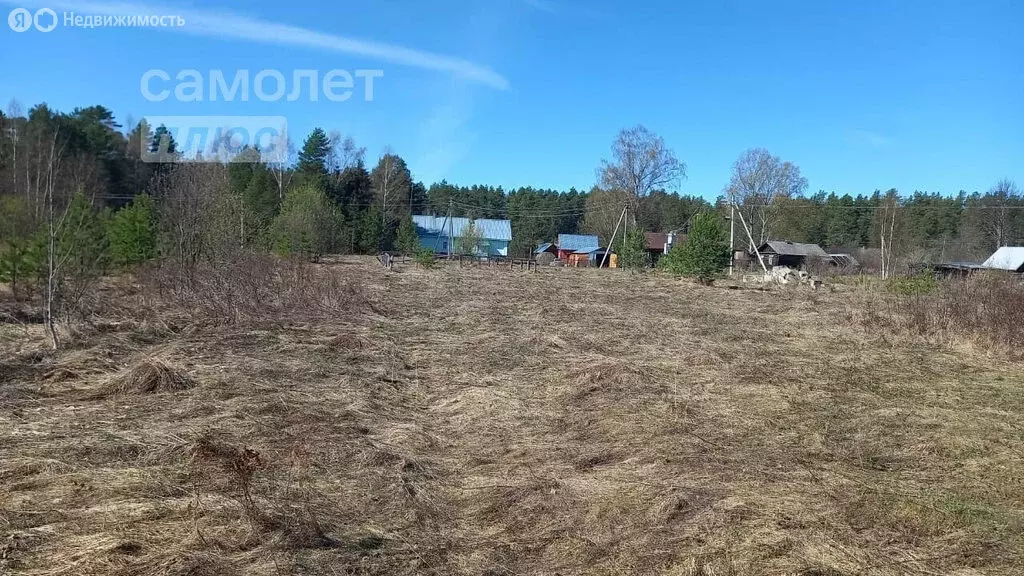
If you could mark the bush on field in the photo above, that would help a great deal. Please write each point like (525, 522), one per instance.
(425, 258)
(914, 285)
(255, 288)
(309, 224)
(986, 308)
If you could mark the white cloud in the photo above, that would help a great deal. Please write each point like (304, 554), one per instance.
(238, 27)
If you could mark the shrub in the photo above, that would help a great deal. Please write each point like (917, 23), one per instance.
(471, 241)
(703, 254)
(425, 258)
(914, 285)
(986, 309)
(253, 288)
(309, 224)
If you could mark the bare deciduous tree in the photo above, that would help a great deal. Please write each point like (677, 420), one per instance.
(344, 153)
(279, 161)
(54, 158)
(758, 180)
(886, 225)
(12, 135)
(603, 210)
(998, 218)
(195, 214)
(640, 164)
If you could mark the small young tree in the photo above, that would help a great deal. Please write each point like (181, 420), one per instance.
(407, 241)
(22, 247)
(132, 234)
(470, 241)
(703, 254)
(633, 250)
(21, 259)
(76, 253)
(309, 224)
(425, 258)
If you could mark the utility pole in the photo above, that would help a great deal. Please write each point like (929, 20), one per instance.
(612, 241)
(732, 237)
(451, 229)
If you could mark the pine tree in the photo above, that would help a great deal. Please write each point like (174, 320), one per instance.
(163, 142)
(81, 239)
(633, 250)
(371, 232)
(132, 233)
(703, 254)
(314, 154)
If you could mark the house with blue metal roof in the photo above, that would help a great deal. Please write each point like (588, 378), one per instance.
(569, 244)
(441, 234)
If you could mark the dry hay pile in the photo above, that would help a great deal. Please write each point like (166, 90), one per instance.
(149, 376)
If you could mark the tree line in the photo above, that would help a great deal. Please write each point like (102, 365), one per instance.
(80, 179)
(329, 199)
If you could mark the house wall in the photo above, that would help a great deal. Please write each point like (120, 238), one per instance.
(436, 242)
(578, 260)
(439, 244)
(791, 261)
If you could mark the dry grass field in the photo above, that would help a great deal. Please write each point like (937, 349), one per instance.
(481, 421)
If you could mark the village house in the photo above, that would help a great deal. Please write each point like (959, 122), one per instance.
(567, 245)
(1008, 258)
(579, 250)
(441, 234)
(791, 254)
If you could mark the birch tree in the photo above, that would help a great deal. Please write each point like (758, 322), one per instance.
(279, 162)
(886, 228)
(53, 260)
(997, 222)
(640, 164)
(392, 185)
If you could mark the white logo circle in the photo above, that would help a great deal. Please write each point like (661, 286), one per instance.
(19, 20)
(52, 22)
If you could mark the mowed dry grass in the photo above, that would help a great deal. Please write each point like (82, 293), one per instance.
(482, 421)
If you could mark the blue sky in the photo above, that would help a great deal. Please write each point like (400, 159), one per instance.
(925, 95)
